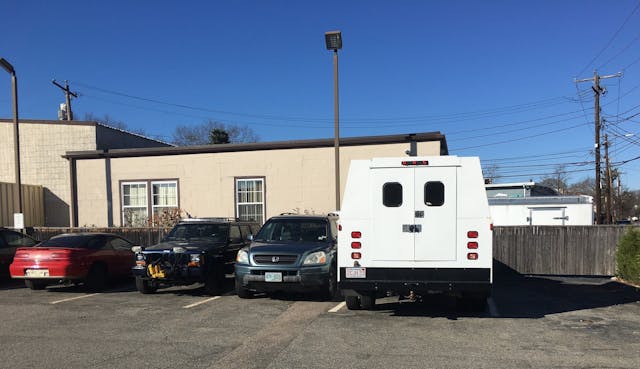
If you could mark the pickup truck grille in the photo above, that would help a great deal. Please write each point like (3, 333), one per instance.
(275, 259)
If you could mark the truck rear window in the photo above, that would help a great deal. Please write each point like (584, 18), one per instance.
(392, 194)
(434, 193)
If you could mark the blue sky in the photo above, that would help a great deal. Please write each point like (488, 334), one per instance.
(496, 77)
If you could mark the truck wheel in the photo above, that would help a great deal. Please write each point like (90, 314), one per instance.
(242, 292)
(214, 281)
(97, 278)
(368, 302)
(145, 286)
(353, 302)
(35, 285)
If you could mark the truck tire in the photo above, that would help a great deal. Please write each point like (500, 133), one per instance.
(353, 302)
(35, 285)
(368, 301)
(145, 286)
(241, 291)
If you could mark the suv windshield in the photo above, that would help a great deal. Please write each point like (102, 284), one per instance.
(293, 230)
(205, 232)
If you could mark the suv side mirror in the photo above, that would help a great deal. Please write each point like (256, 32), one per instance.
(250, 237)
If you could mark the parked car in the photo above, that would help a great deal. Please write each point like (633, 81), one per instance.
(290, 253)
(196, 250)
(92, 258)
(10, 240)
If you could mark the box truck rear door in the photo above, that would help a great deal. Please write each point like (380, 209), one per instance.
(435, 213)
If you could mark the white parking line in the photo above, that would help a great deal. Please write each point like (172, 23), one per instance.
(200, 302)
(336, 308)
(493, 310)
(73, 298)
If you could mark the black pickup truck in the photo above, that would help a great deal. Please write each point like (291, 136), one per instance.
(196, 250)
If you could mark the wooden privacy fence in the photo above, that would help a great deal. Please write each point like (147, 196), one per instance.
(551, 250)
(557, 250)
(139, 236)
(32, 201)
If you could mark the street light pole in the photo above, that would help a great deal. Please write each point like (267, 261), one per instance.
(333, 40)
(16, 133)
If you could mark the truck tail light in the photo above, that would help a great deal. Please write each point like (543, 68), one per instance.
(472, 256)
(472, 234)
(356, 245)
(356, 255)
(356, 234)
(472, 245)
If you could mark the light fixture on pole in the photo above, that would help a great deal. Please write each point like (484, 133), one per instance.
(333, 40)
(16, 135)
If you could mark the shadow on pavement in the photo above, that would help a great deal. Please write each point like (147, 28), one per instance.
(523, 296)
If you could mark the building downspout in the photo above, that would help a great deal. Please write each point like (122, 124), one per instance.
(73, 206)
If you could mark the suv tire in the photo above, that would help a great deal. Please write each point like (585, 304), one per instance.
(241, 291)
(145, 286)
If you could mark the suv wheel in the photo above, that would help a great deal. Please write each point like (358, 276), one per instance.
(329, 290)
(145, 286)
(242, 292)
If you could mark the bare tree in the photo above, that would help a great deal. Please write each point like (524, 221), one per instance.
(107, 120)
(558, 180)
(200, 134)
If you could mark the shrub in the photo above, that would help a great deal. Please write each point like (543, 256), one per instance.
(628, 256)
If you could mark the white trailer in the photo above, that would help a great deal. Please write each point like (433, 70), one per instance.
(415, 226)
(542, 210)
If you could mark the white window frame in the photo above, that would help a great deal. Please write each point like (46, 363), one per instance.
(124, 207)
(149, 206)
(237, 195)
(154, 206)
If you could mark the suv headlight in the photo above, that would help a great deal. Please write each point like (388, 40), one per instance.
(242, 257)
(319, 257)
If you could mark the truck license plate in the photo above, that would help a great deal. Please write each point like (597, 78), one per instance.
(37, 273)
(356, 273)
(273, 277)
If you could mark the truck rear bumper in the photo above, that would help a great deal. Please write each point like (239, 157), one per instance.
(455, 281)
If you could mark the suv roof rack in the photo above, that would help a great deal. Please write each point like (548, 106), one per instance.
(209, 219)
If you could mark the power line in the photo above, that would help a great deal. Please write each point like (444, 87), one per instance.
(522, 138)
(620, 52)
(417, 119)
(611, 39)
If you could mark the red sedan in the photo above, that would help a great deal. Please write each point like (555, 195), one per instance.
(91, 258)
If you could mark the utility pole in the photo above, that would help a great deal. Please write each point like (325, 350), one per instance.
(597, 90)
(609, 209)
(68, 95)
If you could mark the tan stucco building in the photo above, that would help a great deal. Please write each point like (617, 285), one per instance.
(42, 146)
(255, 181)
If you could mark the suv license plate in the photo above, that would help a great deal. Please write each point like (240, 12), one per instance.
(356, 273)
(273, 277)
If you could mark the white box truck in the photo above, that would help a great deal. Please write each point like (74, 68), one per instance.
(414, 226)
